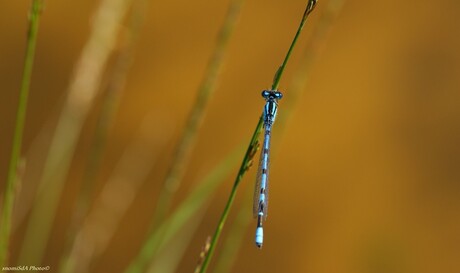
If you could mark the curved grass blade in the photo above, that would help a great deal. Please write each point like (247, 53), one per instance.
(186, 210)
(169, 257)
(81, 95)
(110, 105)
(297, 86)
(205, 91)
(252, 143)
(183, 150)
(7, 208)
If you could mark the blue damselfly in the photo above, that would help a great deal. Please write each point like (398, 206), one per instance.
(261, 191)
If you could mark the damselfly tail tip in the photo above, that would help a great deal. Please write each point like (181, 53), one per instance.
(259, 237)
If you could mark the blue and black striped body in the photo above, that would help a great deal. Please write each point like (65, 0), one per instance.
(261, 190)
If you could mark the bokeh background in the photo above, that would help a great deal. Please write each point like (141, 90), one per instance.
(365, 173)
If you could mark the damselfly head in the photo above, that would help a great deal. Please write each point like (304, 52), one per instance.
(272, 94)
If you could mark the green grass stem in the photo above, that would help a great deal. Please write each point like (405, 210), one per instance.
(132, 169)
(276, 80)
(205, 91)
(161, 236)
(298, 83)
(245, 165)
(160, 228)
(9, 196)
(253, 144)
(312, 50)
(168, 259)
(235, 236)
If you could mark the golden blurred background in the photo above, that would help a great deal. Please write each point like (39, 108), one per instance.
(364, 177)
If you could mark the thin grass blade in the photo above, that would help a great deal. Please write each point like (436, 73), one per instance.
(186, 210)
(9, 196)
(297, 86)
(252, 143)
(205, 91)
(81, 95)
(111, 101)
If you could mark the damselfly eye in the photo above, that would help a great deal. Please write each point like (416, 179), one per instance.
(265, 93)
(278, 95)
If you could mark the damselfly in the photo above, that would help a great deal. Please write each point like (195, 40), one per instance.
(261, 191)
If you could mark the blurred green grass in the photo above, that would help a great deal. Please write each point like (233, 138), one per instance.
(370, 151)
(14, 172)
